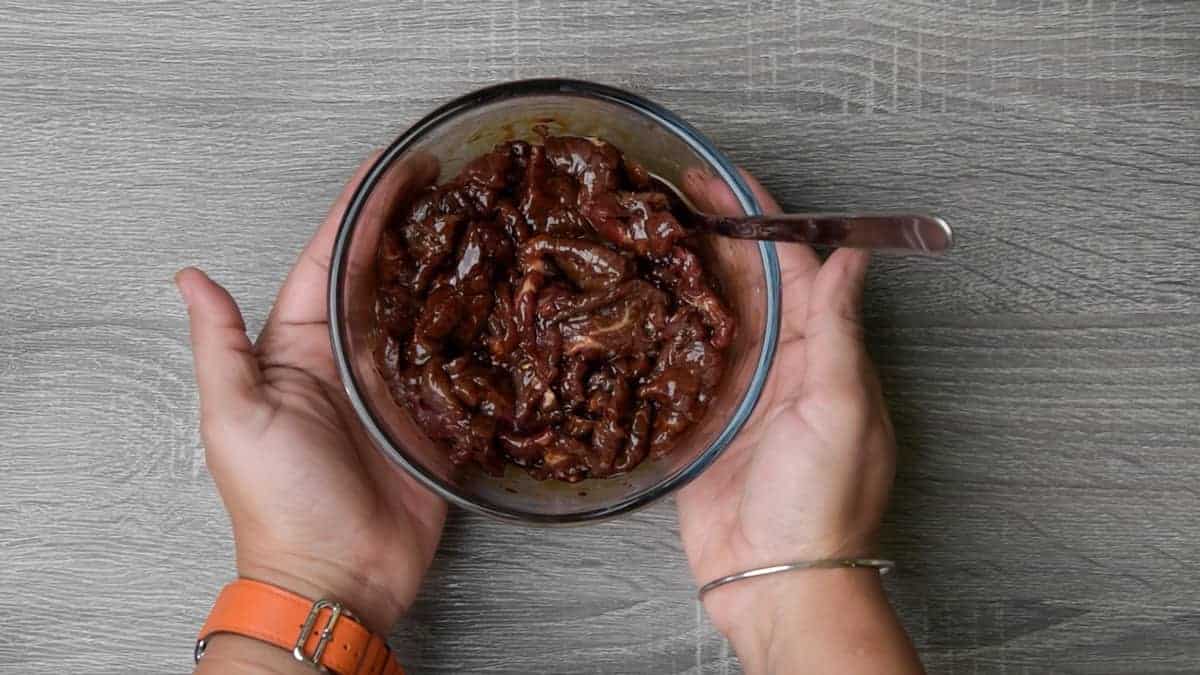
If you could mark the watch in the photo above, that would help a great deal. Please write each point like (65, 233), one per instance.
(322, 634)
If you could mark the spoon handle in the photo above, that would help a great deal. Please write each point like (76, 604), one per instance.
(895, 232)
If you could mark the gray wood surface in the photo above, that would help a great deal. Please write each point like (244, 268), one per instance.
(1045, 379)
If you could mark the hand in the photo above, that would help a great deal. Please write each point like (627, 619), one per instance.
(808, 477)
(316, 509)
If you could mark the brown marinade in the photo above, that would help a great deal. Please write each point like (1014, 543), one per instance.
(544, 309)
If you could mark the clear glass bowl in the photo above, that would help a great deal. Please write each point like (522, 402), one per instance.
(471, 125)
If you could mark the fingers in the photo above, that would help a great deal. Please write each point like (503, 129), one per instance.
(227, 371)
(837, 364)
(798, 264)
(710, 193)
(303, 296)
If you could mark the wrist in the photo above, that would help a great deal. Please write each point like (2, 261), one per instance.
(261, 627)
(377, 609)
(767, 619)
(749, 600)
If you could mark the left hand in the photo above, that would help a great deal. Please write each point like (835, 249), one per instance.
(316, 508)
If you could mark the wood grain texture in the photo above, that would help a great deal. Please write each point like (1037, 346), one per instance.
(1045, 379)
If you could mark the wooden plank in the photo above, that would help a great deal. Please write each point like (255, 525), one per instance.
(1044, 379)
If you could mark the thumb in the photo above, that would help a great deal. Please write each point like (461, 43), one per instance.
(227, 371)
(837, 368)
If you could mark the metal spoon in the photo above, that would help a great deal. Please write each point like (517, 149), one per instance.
(896, 232)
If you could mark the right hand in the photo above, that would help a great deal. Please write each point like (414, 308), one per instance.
(809, 475)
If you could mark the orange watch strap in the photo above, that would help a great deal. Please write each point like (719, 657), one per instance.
(275, 616)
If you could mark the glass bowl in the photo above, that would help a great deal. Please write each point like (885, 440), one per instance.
(748, 273)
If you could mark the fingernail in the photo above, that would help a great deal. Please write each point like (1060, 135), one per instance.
(183, 290)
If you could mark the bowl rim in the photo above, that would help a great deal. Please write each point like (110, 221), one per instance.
(700, 144)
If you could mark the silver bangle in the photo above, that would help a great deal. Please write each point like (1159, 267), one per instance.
(884, 566)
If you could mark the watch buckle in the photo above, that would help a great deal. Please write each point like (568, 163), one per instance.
(326, 633)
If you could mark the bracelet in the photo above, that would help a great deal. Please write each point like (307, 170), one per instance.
(884, 566)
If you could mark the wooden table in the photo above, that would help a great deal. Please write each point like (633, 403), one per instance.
(1044, 379)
